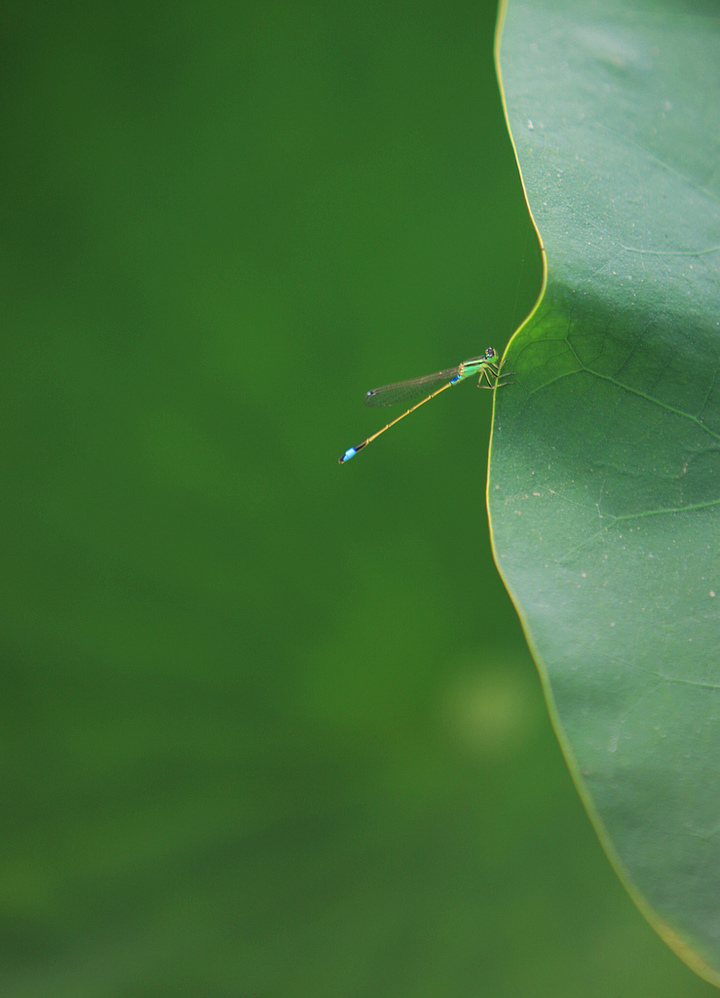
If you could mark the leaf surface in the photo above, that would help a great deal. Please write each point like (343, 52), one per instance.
(604, 484)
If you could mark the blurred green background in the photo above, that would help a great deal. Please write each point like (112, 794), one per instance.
(269, 725)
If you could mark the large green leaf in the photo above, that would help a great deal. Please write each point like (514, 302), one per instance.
(605, 462)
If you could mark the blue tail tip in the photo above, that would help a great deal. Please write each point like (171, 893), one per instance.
(350, 452)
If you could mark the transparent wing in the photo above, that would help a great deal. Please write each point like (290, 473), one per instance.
(404, 391)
